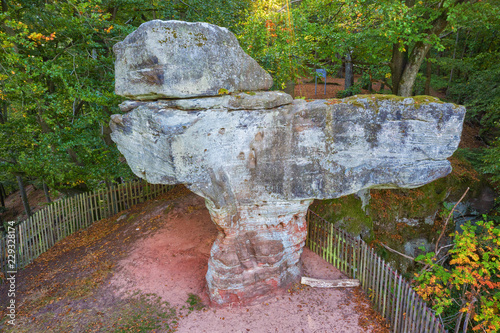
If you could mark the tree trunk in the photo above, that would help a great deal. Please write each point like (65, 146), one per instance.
(46, 191)
(399, 60)
(340, 73)
(290, 88)
(2, 195)
(417, 56)
(405, 74)
(24, 197)
(458, 74)
(428, 75)
(3, 112)
(349, 75)
(459, 319)
(114, 12)
(398, 64)
(106, 130)
(438, 67)
(452, 64)
(410, 72)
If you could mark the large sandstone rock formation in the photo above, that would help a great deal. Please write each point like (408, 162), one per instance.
(174, 59)
(259, 159)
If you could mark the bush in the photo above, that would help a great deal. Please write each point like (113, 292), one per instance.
(469, 283)
(352, 90)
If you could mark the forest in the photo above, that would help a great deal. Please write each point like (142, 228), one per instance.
(57, 78)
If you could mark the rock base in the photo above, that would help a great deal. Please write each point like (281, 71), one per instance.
(257, 252)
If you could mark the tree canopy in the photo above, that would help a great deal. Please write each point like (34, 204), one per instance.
(56, 83)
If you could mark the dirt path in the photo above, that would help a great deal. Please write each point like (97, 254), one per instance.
(173, 263)
(89, 282)
(308, 89)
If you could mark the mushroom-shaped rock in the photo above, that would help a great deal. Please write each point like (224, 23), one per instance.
(260, 159)
(175, 59)
(260, 169)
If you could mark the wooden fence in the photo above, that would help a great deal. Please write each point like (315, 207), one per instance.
(391, 295)
(61, 218)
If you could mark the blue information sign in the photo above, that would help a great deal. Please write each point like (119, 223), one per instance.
(319, 73)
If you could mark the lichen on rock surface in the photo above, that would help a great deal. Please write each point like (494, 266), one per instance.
(175, 59)
(295, 151)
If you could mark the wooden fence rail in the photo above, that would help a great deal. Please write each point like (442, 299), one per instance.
(64, 217)
(391, 295)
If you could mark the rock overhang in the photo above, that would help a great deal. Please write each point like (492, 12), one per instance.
(299, 150)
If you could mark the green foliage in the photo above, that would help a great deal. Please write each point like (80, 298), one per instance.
(474, 156)
(287, 39)
(194, 302)
(470, 282)
(57, 83)
(346, 212)
(491, 160)
(56, 68)
(480, 91)
(352, 90)
(58, 87)
(476, 84)
(270, 35)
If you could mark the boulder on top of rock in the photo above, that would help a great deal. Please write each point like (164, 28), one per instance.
(175, 59)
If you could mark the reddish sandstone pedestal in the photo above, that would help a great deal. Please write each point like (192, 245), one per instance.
(257, 252)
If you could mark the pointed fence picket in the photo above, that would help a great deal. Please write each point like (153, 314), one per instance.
(64, 217)
(391, 295)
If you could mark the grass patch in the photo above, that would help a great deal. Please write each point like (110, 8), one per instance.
(137, 313)
(168, 209)
(131, 217)
(39, 299)
(146, 313)
(194, 303)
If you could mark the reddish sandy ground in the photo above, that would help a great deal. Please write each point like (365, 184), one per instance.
(85, 282)
(334, 85)
(173, 261)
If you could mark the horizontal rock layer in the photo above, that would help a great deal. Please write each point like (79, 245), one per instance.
(175, 59)
(303, 150)
(238, 101)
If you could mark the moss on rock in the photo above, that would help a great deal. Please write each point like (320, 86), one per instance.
(383, 221)
(346, 212)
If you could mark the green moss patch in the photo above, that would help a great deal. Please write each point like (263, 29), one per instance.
(346, 212)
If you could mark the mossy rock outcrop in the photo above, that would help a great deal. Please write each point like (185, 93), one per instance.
(401, 218)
